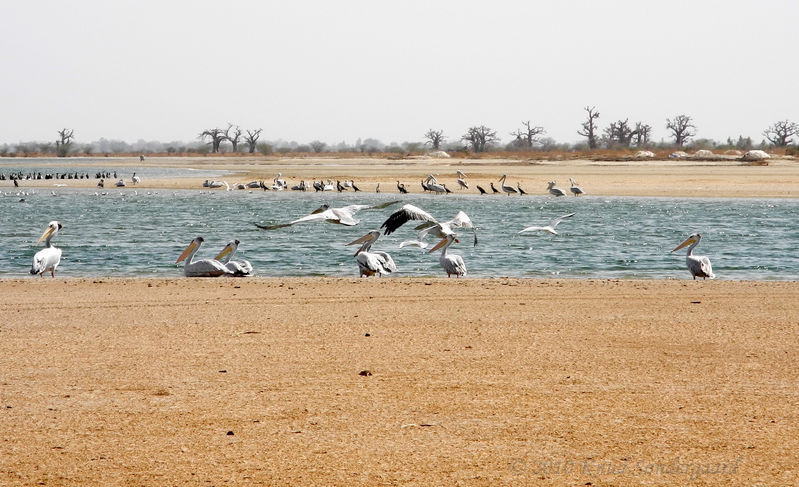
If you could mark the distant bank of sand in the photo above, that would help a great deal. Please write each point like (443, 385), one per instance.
(779, 179)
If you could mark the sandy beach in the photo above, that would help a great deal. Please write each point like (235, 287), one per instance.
(407, 381)
(398, 382)
(678, 178)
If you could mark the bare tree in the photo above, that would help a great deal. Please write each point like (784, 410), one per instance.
(318, 146)
(434, 138)
(589, 128)
(781, 132)
(251, 138)
(527, 136)
(480, 138)
(618, 134)
(681, 129)
(641, 134)
(234, 137)
(63, 145)
(216, 136)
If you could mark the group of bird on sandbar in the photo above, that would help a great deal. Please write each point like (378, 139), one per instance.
(370, 262)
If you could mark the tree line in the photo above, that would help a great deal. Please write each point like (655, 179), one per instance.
(619, 134)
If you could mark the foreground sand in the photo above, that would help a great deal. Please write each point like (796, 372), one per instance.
(473, 382)
(727, 178)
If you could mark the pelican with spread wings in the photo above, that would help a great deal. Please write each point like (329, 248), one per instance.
(548, 228)
(344, 215)
(429, 224)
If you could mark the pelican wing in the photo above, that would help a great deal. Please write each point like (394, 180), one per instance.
(46, 259)
(559, 219)
(205, 268)
(532, 229)
(403, 215)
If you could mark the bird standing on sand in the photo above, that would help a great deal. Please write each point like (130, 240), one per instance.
(576, 190)
(699, 265)
(553, 190)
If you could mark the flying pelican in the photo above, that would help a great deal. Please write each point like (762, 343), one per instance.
(549, 228)
(201, 268)
(451, 263)
(553, 190)
(507, 189)
(49, 257)
(699, 265)
(343, 216)
(372, 262)
(430, 224)
(238, 268)
(576, 190)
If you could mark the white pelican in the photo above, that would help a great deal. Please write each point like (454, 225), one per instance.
(505, 188)
(460, 174)
(553, 190)
(576, 190)
(49, 257)
(329, 186)
(135, 179)
(462, 184)
(699, 265)
(430, 225)
(343, 216)
(549, 228)
(372, 262)
(201, 268)
(238, 268)
(451, 263)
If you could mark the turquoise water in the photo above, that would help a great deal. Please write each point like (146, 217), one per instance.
(141, 233)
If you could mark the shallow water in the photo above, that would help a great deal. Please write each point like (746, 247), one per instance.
(130, 233)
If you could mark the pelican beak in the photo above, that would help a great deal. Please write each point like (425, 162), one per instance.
(228, 249)
(688, 241)
(47, 233)
(439, 245)
(189, 249)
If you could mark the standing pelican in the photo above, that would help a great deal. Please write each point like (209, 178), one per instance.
(451, 263)
(576, 190)
(548, 228)
(553, 190)
(201, 268)
(505, 188)
(372, 262)
(343, 216)
(135, 179)
(49, 257)
(238, 268)
(699, 265)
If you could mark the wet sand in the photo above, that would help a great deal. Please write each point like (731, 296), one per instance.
(398, 382)
(678, 178)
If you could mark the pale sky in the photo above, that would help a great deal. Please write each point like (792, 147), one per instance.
(341, 70)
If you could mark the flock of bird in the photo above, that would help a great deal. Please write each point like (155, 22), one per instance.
(370, 262)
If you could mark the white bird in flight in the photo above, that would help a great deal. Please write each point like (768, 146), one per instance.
(548, 228)
(343, 216)
(429, 226)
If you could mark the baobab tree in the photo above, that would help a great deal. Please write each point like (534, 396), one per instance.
(642, 133)
(619, 134)
(480, 138)
(434, 138)
(589, 129)
(251, 138)
(781, 132)
(681, 129)
(318, 146)
(216, 136)
(528, 135)
(63, 145)
(232, 135)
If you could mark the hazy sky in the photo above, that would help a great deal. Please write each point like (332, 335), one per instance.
(342, 70)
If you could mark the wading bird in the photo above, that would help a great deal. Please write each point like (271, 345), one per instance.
(238, 268)
(699, 265)
(451, 263)
(371, 262)
(200, 268)
(49, 257)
